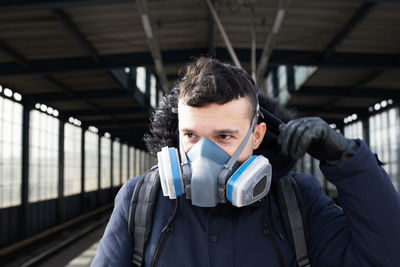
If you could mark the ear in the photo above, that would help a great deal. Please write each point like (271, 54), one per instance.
(259, 132)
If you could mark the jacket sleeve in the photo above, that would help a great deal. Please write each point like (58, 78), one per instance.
(115, 247)
(367, 231)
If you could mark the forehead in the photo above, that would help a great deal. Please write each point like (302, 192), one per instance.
(234, 114)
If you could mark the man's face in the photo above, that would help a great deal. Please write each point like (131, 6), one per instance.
(226, 125)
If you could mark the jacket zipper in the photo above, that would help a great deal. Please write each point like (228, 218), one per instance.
(274, 244)
(161, 243)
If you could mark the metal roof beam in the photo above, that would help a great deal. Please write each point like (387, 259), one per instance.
(17, 57)
(61, 65)
(108, 111)
(365, 9)
(361, 1)
(223, 34)
(278, 57)
(130, 127)
(362, 12)
(129, 122)
(137, 131)
(23, 5)
(153, 43)
(211, 33)
(337, 59)
(67, 22)
(356, 88)
(89, 94)
(320, 109)
(345, 92)
(270, 41)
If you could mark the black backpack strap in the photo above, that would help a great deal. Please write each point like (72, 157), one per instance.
(141, 212)
(294, 219)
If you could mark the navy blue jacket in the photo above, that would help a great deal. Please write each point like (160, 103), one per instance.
(365, 233)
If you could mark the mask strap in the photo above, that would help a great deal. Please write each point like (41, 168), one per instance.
(186, 172)
(228, 166)
(184, 161)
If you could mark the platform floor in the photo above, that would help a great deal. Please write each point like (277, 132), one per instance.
(79, 254)
(85, 258)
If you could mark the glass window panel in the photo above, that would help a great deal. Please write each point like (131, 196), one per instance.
(10, 152)
(43, 157)
(307, 163)
(317, 172)
(141, 79)
(143, 162)
(393, 144)
(384, 140)
(138, 161)
(17, 133)
(282, 77)
(354, 130)
(116, 163)
(91, 161)
(153, 90)
(132, 162)
(105, 162)
(72, 159)
(124, 161)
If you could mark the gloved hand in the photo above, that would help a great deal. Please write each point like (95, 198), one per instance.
(314, 136)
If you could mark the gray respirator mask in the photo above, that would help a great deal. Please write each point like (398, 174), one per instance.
(208, 176)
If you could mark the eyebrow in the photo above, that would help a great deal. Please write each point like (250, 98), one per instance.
(225, 131)
(188, 130)
(214, 132)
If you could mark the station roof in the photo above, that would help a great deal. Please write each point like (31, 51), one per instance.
(71, 54)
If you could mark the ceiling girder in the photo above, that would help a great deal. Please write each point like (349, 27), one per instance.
(108, 111)
(278, 57)
(362, 12)
(23, 5)
(356, 88)
(336, 109)
(345, 92)
(68, 24)
(152, 42)
(89, 94)
(283, 5)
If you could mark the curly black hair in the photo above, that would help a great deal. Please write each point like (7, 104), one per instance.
(164, 124)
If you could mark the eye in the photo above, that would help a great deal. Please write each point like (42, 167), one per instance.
(225, 137)
(191, 137)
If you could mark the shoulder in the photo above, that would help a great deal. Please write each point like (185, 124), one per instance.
(115, 247)
(128, 187)
(124, 195)
(307, 183)
(311, 193)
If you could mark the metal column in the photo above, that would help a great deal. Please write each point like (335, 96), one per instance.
(24, 221)
(60, 206)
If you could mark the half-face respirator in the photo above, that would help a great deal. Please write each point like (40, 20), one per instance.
(208, 176)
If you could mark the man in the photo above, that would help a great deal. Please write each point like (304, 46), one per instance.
(217, 111)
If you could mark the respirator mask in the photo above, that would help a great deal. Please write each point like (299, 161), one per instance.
(208, 175)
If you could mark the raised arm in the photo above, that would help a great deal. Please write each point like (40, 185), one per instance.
(366, 232)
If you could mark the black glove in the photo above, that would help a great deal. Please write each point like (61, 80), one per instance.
(314, 136)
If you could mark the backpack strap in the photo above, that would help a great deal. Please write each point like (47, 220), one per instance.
(141, 212)
(293, 216)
